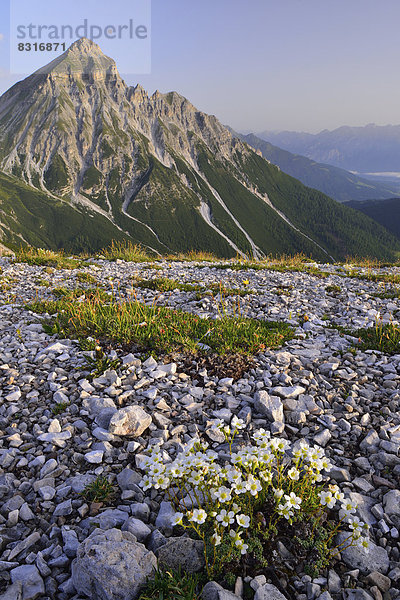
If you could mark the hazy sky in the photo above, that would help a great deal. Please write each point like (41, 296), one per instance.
(269, 64)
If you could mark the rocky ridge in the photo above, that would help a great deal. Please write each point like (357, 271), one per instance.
(347, 403)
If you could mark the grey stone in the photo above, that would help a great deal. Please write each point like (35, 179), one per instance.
(213, 591)
(182, 552)
(111, 565)
(31, 581)
(357, 594)
(110, 518)
(364, 507)
(13, 592)
(139, 529)
(156, 540)
(165, 514)
(289, 392)
(131, 420)
(71, 542)
(268, 592)
(391, 503)
(63, 509)
(376, 559)
(128, 479)
(376, 578)
(322, 437)
(24, 544)
(270, 406)
(141, 511)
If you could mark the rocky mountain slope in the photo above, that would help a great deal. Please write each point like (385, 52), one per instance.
(158, 170)
(337, 183)
(368, 149)
(57, 435)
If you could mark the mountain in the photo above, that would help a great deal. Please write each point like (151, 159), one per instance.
(369, 149)
(82, 151)
(332, 181)
(385, 212)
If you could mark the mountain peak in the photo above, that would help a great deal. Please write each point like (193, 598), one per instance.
(83, 58)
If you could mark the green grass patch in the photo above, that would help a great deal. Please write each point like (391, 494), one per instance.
(84, 277)
(46, 258)
(159, 329)
(125, 250)
(390, 294)
(100, 490)
(333, 289)
(173, 585)
(382, 337)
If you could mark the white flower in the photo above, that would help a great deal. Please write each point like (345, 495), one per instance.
(327, 499)
(237, 423)
(294, 474)
(363, 543)
(216, 539)
(253, 485)
(293, 501)
(243, 520)
(177, 519)
(240, 487)
(146, 483)
(278, 494)
(161, 482)
(223, 494)
(226, 518)
(348, 506)
(242, 547)
(285, 511)
(198, 515)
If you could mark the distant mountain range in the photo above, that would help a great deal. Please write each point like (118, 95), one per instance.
(84, 158)
(337, 183)
(368, 149)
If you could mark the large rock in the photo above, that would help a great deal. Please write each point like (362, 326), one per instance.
(13, 592)
(32, 583)
(182, 552)
(268, 592)
(213, 591)
(270, 406)
(376, 559)
(111, 565)
(131, 420)
(391, 502)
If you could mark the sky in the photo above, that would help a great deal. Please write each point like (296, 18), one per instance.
(303, 65)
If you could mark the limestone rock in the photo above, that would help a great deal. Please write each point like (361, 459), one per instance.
(111, 565)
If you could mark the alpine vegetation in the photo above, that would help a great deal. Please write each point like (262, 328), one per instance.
(242, 499)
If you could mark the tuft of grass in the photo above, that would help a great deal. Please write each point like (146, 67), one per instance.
(193, 256)
(160, 328)
(164, 284)
(59, 408)
(382, 337)
(126, 251)
(167, 584)
(100, 490)
(333, 289)
(46, 258)
(84, 277)
(389, 294)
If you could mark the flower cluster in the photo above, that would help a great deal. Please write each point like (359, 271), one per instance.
(219, 500)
